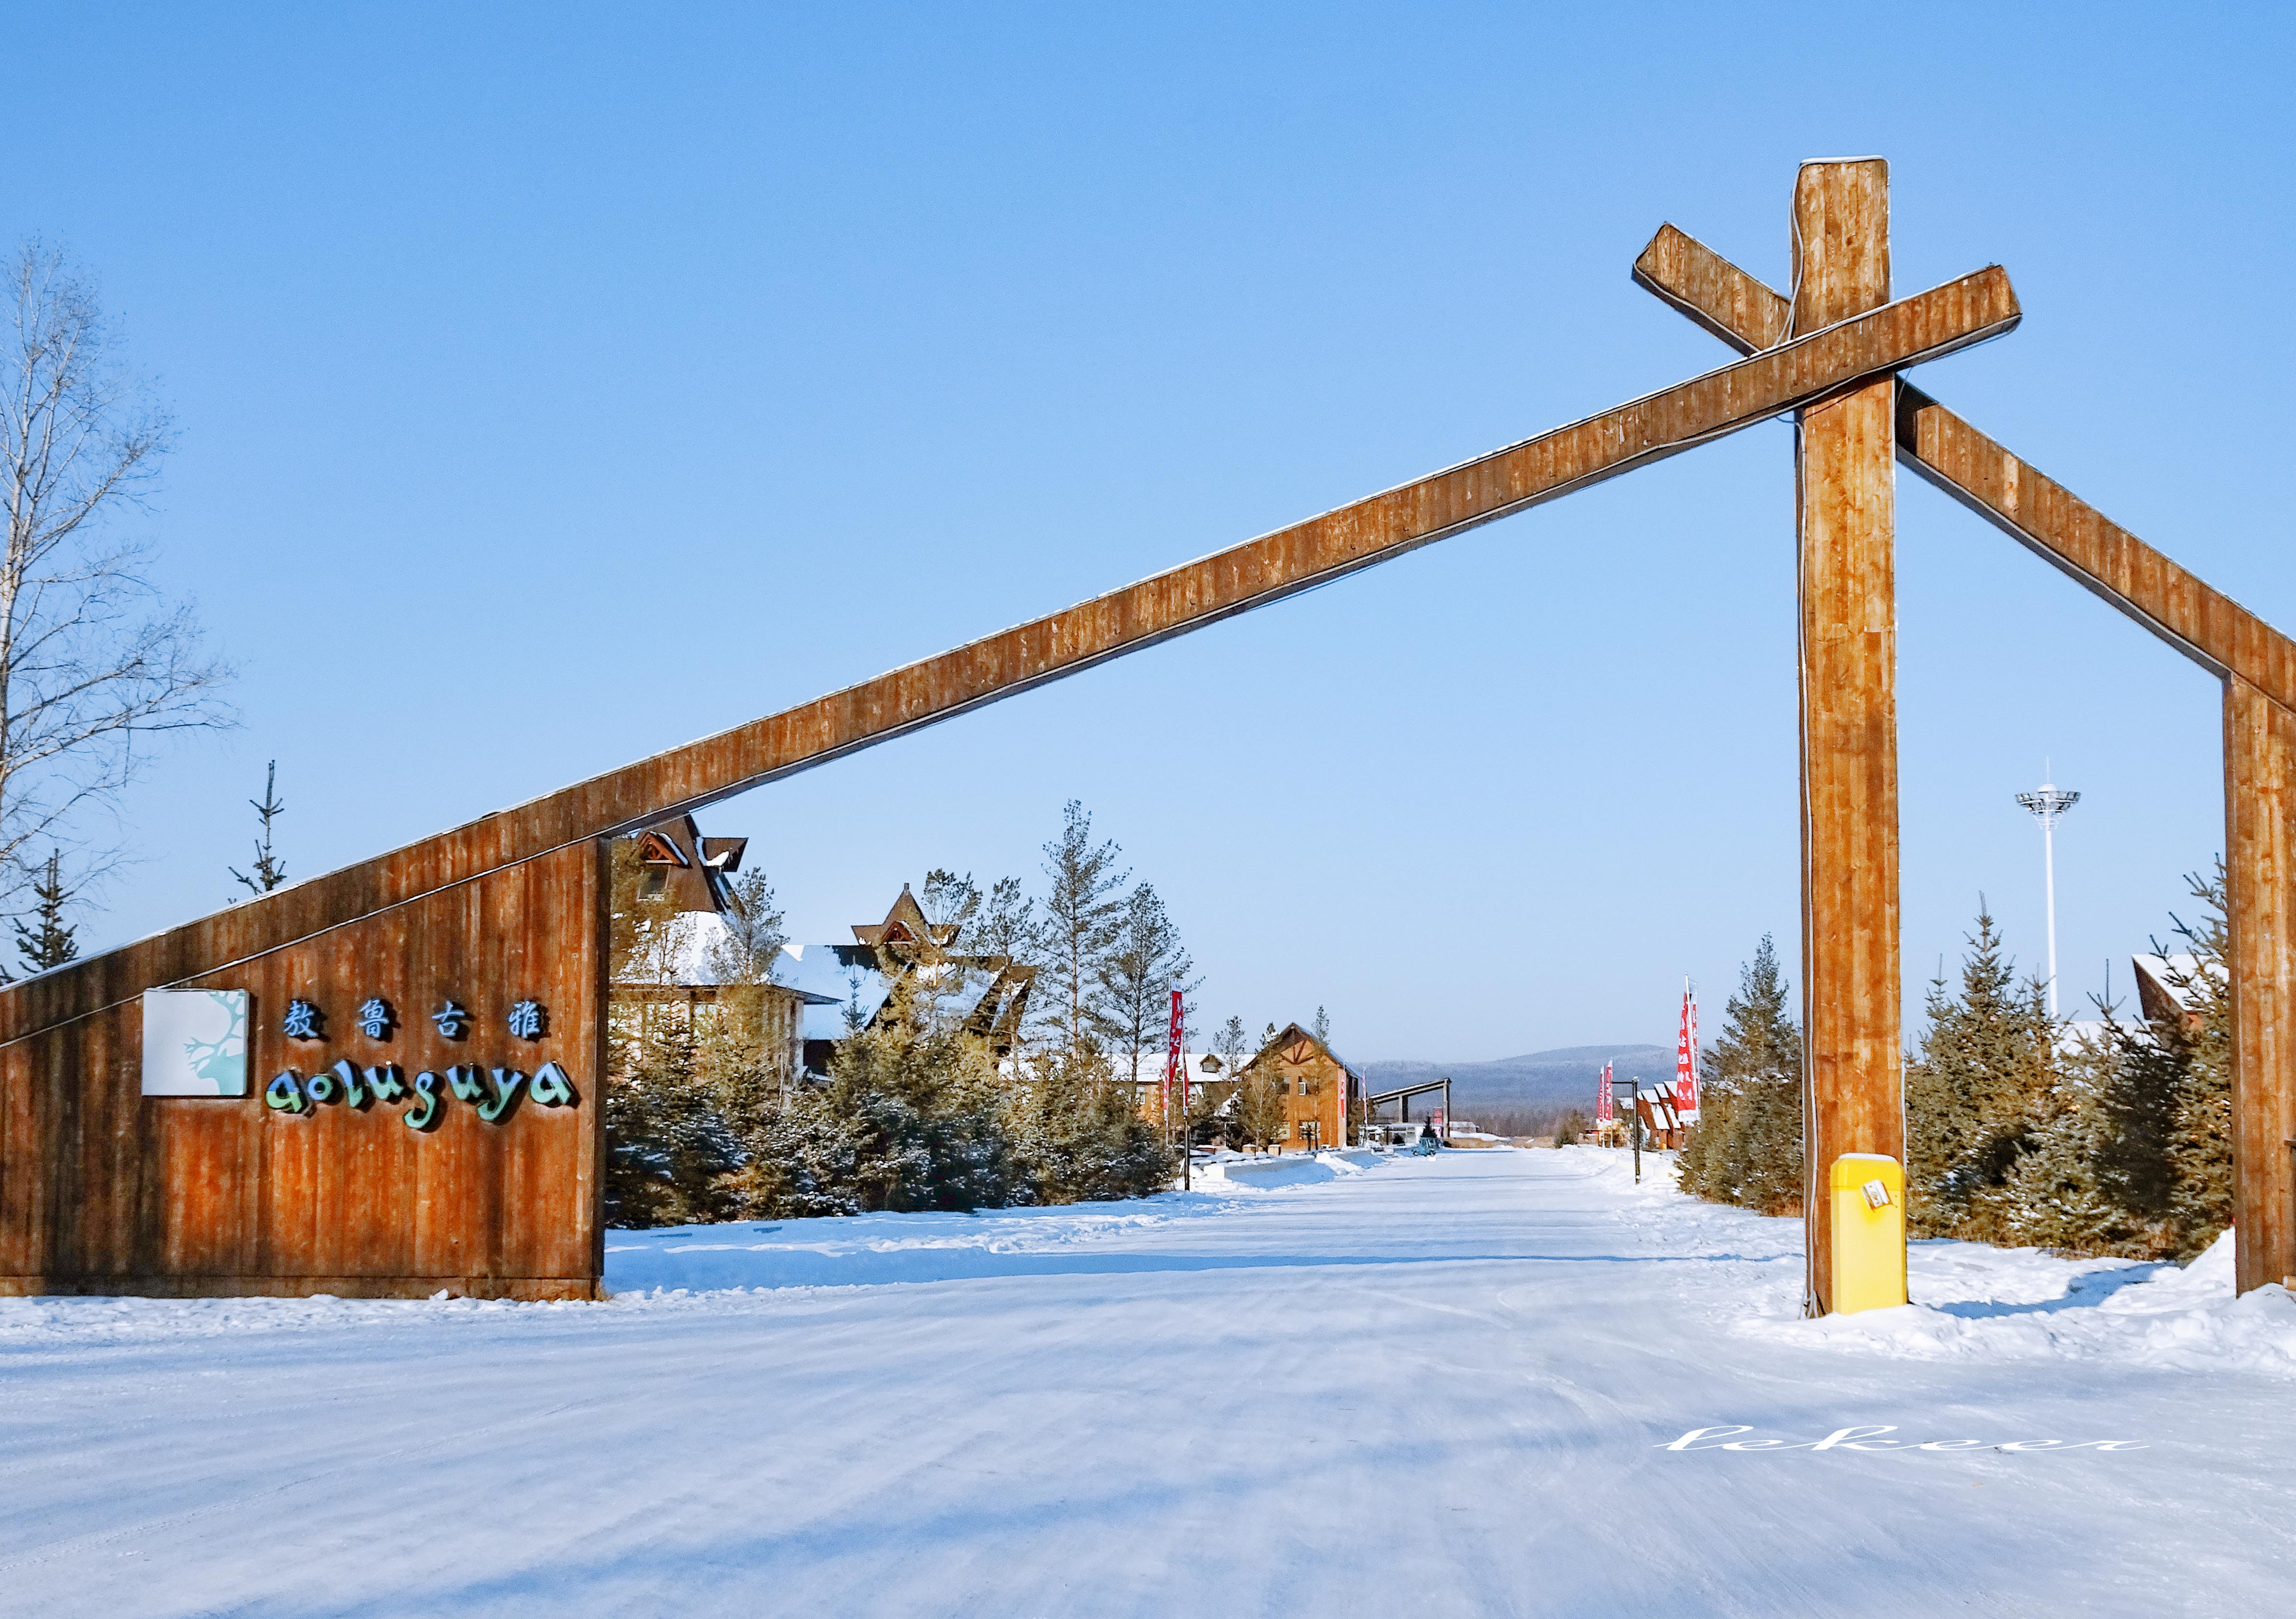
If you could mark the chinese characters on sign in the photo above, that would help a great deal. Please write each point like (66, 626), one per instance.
(304, 1020)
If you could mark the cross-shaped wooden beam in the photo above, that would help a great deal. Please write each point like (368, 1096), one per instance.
(2256, 662)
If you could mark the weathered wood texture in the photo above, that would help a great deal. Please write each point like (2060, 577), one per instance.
(2256, 660)
(1845, 504)
(2015, 496)
(1260, 571)
(2261, 904)
(102, 1190)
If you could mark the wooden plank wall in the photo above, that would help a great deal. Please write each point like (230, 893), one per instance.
(102, 1190)
(1845, 503)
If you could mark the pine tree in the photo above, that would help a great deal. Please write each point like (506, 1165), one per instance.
(269, 871)
(1977, 1094)
(911, 1119)
(2092, 1178)
(747, 951)
(1231, 1045)
(1007, 926)
(1082, 911)
(2199, 1127)
(1133, 984)
(1746, 1149)
(1077, 1136)
(49, 943)
(669, 1146)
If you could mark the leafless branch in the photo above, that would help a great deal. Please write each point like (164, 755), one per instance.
(90, 658)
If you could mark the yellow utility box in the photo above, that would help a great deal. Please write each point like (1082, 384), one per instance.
(1869, 1232)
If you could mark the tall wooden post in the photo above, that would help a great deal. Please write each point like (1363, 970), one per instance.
(1845, 507)
(2261, 905)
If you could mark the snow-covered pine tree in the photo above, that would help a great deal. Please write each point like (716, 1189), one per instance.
(669, 1146)
(2090, 1180)
(911, 1119)
(1077, 1135)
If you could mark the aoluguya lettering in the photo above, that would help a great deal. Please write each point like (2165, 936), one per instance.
(491, 1092)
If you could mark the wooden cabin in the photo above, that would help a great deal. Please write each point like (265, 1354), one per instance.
(690, 875)
(1319, 1091)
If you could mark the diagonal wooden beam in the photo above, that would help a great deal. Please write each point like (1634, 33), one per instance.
(1715, 293)
(2026, 503)
(1250, 575)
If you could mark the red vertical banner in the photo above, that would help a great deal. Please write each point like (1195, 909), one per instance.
(1603, 1111)
(1176, 1067)
(1685, 1060)
(1693, 1058)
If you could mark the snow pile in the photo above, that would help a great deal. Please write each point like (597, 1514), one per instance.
(1972, 1301)
(1286, 1169)
(1975, 1302)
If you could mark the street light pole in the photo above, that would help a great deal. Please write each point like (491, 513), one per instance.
(2048, 805)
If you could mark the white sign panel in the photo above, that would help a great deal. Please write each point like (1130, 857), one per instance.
(195, 1042)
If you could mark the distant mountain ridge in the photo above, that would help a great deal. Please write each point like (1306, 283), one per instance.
(1540, 1079)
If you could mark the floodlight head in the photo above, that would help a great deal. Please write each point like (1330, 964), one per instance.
(2049, 802)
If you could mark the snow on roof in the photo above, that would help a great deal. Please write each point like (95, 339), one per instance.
(2173, 974)
(1202, 1066)
(845, 976)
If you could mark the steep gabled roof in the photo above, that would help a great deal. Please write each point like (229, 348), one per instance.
(1293, 1034)
(905, 924)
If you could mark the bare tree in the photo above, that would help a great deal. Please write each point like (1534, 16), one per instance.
(90, 661)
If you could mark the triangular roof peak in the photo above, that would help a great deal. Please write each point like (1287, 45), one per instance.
(1293, 1034)
(904, 924)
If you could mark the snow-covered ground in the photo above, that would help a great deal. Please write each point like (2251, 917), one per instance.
(1457, 1386)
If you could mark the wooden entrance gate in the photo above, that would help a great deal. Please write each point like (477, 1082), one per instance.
(317, 1186)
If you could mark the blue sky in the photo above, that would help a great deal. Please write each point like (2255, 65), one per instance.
(559, 383)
